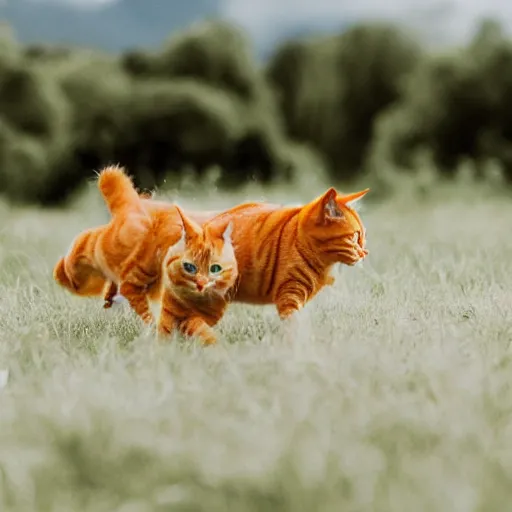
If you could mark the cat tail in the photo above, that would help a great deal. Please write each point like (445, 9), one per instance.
(89, 285)
(118, 191)
(60, 275)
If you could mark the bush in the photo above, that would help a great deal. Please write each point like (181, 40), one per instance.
(176, 123)
(366, 98)
(198, 103)
(455, 108)
(140, 64)
(287, 74)
(46, 53)
(99, 94)
(331, 90)
(32, 102)
(23, 164)
(212, 52)
(34, 126)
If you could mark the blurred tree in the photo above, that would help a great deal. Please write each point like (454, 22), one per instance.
(332, 89)
(287, 73)
(455, 107)
(43, 52)
(175, 123)
(140, 63)
(32, 102)
(213, 52)
(99, 94)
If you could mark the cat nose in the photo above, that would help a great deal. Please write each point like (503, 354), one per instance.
(201, 282)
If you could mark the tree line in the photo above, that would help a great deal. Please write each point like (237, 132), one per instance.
(366, 98)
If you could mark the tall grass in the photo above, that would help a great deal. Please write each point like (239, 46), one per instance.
(393, 396)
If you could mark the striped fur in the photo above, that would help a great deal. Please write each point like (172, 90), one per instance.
(133, 253)
(283, 255)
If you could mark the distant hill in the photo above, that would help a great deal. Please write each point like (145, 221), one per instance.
(130, 23)
(115, 27)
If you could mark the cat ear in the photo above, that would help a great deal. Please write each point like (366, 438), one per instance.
(226, 235)
(348, 199)
(228, 249)
(191, 229)
(330, 208)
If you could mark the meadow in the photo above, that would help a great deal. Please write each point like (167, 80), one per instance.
(394, 395)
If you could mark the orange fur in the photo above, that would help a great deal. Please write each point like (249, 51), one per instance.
(195, 299)
(130, 251)
(284, 255)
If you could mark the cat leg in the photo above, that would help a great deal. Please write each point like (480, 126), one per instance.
(167, 321)
(288, 301)
(139, 276)
(196, 326)
(136, 295)
(190, 326)
(109, 296)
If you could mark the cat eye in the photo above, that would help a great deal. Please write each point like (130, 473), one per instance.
(190, 268)
(215, 268)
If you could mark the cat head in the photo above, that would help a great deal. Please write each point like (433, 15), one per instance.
(203, 260)
(333, 228)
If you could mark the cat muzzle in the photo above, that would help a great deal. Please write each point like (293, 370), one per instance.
(201, 284)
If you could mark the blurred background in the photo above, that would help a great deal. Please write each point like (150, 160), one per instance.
(268, 92)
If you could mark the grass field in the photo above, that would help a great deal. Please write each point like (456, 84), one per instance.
(395, 396)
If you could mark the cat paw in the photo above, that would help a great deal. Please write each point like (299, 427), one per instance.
(287, 313)
(329, 281)
(208, 340)
(116, 299)
(148, 318)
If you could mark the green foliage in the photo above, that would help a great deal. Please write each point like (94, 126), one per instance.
(99, 93)
(198, 103)
(139, 64)
(25, 170)
(330, 90)
(368, 99)
(454, 108)
(172, 123)
(47, 53)
(219, 112)
(32, 102)
(211, 52)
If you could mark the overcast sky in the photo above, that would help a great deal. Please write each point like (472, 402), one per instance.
(443, 21)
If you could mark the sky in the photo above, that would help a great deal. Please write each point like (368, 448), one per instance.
(438, 21)
(441, 21)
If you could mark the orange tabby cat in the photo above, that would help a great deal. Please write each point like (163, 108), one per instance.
(199, 275)
(285, 254)
(91, 282)
(131, 250)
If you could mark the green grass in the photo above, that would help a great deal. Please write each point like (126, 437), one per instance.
(394, 396)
